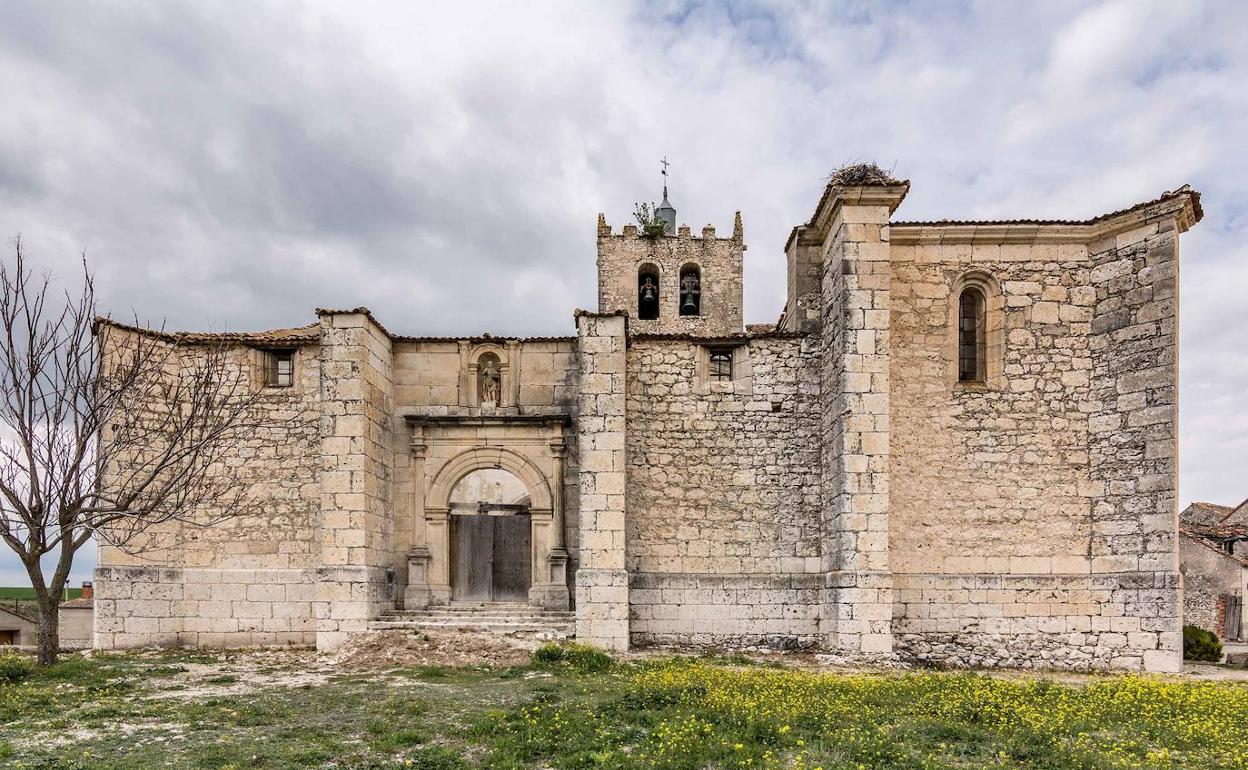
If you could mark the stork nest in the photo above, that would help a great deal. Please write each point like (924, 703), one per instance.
(854, 174)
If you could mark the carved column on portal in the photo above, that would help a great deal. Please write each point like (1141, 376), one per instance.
(418, 593)
(467, 381)
(554, 594)
(512, 382)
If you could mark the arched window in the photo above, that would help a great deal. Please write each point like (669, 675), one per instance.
(690, 290)
(647, 292)
(972, 337)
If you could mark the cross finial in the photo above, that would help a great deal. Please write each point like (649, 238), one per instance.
(665, 165)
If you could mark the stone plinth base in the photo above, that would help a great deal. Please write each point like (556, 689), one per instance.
(1097, 621)
(602, 608)
(857, 613)
(550, 597)
(417, 594)
(347, 598)
(203, 607)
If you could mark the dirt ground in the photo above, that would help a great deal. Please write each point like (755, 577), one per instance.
(256, 668)
(386, 649)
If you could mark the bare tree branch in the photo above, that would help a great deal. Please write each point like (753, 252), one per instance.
(107, 430)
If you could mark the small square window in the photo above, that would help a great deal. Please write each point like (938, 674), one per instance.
(720, 369)
(279, 370)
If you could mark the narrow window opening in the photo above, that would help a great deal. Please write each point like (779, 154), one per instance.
(279, 368)
(690, 290)
(720, 368)
(648, 293)
(971, 336)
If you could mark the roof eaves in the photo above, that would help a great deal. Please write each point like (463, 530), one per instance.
(296, 335)
(1199, 540)
(480, 339)
(1061, 230)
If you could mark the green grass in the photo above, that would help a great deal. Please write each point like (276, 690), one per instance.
(572, 709)
(26, 592)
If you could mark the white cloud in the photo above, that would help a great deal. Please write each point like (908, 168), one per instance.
(444, 164)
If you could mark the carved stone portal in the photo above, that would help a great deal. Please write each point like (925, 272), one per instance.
(447, 451)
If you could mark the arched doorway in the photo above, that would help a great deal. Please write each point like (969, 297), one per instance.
(491, 538)
(446, 450)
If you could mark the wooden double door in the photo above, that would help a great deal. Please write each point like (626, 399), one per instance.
(491, 557)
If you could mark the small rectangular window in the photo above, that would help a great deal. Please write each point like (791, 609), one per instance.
(279, 368)
(720, 369)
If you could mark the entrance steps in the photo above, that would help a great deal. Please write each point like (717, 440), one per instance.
(502, 618)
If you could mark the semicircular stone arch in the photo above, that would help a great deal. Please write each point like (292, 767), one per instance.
(480, 458)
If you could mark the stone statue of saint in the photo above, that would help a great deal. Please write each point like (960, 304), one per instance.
(490, 380)
(690, 288)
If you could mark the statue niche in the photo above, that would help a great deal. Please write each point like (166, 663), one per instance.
(489, 379)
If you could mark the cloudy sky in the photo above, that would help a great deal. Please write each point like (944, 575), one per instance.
(235, 165)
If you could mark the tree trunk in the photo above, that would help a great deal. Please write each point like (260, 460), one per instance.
(49, 632)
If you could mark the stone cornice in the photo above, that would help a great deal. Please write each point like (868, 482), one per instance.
(487, 419)
(835, 196)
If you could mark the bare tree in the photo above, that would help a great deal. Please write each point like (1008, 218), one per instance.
(108, 430)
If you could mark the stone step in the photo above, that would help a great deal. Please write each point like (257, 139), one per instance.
(537, 619)
(418, 613)
(554, 629)
(500, 613)
(504, 618)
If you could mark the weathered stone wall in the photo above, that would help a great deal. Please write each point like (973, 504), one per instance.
(803, 308)
(723, 493)
(1208, 576)
(992, 479)
(539, 375)
(602, 591)
(1134, 430)
(76, 627)
(1033, 517)
(720, 263)
(356, 577)
(856, 340)
(198, 607)
(245, 580)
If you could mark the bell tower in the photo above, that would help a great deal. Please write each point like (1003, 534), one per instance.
(669, 281)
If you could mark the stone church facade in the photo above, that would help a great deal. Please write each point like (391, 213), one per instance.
(956, 445)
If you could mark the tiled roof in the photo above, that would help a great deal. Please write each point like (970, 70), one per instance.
(1167, 196)
(1195, 537)
(74, 604)
(298, 335)
(25, 612)
(768, 333)
(481, 338)
(439, 338)
(1211, 513)
(302, 335)
(1219, 531)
